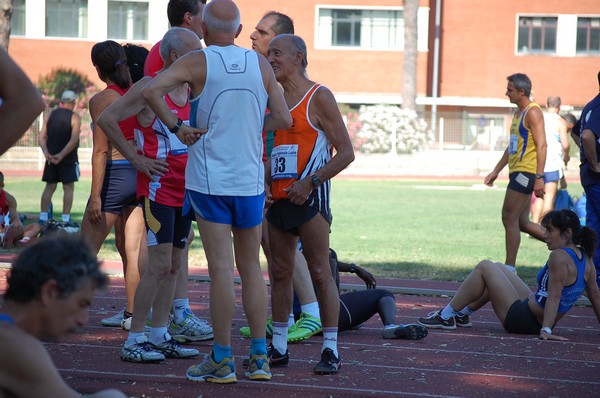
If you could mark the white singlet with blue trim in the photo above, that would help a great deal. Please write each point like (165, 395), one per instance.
(227, 160)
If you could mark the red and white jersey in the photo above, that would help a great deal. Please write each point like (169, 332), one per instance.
(157, 142)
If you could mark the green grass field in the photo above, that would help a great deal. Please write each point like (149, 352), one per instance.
(395, 228)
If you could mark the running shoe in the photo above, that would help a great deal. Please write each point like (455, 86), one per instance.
(115, 320)
(330, 364)
(191, 329)
(213, 372)
(245, 330)
(408, 332)
(434, 320)
(141, 352)
(276, 358)
(171, 349)
(258, 368)
(463, 321)
(304, 328)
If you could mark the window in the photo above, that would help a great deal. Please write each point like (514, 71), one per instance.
(17, 21)
(537, 35)
(370, 29)
(66, 18)
(588, 35)
(128, 20)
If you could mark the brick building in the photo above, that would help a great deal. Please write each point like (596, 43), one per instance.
(355, 47)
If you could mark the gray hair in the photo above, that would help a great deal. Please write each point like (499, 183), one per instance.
(299, 46)
(171, 42)
(521, 82)
(220, 25)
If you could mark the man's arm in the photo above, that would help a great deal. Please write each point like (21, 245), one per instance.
(21, 102)
(43, 140)
(325, 112)
(490, 178)
(535, 120)
(564, 139)
(12, 209)
(130, 104)
(279, 117)
(191, 69)
(588, 141)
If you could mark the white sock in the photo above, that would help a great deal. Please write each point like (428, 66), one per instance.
(291, 320)
(66, 217)
(311, 309)
(447, 312)
(280, 333)
(158, 335)
(43, 216)
(465, 311)
(330, 339)
(179, 307)
(131, 338)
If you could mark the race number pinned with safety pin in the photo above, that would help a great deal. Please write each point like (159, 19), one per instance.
(177, 147)
(284, 162)
(513, 144)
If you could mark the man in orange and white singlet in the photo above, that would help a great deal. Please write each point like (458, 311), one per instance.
(300, 171)
(526, 157)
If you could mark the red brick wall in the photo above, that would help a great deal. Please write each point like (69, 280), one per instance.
(478, 51)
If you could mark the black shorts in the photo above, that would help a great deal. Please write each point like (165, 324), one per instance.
(165, 224)
(287, 216)
(62, 172)
(521, 182)
(519, 319)
(359, 306)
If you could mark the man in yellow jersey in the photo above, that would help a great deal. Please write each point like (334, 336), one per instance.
(526, 157)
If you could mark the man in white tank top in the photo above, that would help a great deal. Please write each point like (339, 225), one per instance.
(225, 176)
(557, 155)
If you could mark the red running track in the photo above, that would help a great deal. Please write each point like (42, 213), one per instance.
(483, 361)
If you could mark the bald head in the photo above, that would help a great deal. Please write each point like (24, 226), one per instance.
(176, 43)
(553, 101)
(221, 16)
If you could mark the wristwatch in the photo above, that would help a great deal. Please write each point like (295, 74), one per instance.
(538, 176)
(175, 128)
(316, 181)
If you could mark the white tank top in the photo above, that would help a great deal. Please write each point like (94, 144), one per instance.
(554, 159)
(227, 160)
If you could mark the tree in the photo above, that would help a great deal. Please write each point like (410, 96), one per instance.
(5, 14)
(409, 91)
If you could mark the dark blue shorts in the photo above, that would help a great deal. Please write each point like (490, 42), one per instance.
(521, 182)
(119, 186)
(165, 224)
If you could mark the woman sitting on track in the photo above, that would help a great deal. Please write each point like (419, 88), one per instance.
(567, 273)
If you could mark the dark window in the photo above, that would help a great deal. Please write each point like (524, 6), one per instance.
(588, 35)
(537, 35)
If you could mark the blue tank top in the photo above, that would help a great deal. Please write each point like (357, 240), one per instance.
(570, 293)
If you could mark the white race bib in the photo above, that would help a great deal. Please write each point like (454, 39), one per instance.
(513, 144)
(284, 162)
(177, 147)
